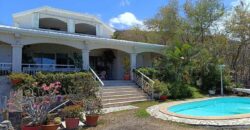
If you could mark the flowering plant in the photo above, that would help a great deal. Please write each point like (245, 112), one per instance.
(37, 108)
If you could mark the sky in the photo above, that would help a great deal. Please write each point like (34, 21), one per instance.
(119, 14)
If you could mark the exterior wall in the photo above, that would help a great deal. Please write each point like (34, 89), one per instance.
(146, 59)
(23, 22)
(31, 20)
(5, 53)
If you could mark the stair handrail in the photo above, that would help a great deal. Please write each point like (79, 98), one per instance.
(146, 85)
(97, 78)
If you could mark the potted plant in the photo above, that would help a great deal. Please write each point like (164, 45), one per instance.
(72, 116)
(51, 125)
(20, 79)
(126, 65)
(164, 91)
(212, 90)
(92, 107)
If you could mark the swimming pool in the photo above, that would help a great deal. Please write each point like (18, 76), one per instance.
(225, 106)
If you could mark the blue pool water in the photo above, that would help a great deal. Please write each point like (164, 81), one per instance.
(225, 106)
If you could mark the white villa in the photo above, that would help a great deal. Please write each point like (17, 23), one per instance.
(50, 39)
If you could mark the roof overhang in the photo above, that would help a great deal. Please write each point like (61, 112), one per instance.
(70, 36)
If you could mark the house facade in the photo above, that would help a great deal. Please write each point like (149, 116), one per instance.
(49, 39)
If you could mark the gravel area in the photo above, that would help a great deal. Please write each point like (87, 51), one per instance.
(116, 109)
(126, 120)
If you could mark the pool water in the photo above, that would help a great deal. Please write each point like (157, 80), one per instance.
(225, 106)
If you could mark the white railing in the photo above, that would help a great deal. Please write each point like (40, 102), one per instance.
(96, 77)
(34, 68)
(5, 68)
(146, 84)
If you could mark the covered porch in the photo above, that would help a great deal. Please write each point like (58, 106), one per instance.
(31, 51)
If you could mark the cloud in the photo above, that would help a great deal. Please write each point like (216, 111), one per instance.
(125, 20)
(124, 3)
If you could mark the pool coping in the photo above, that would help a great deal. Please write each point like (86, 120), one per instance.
(164, 110)
(155, 112)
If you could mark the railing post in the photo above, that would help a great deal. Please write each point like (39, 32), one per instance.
(152, 96)
(142, 82)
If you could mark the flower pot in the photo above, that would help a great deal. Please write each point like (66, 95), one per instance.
(91, 120)
(15, 81)
(72, 123)
(126, 77)
(50, 127)
(211, 92)
(163, 98)
(156, 96)
(25, 127)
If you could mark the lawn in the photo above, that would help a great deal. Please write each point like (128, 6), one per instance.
(138, 119)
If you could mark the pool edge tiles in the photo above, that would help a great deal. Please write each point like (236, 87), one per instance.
(164, 109)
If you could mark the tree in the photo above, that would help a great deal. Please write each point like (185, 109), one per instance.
(166, 22)
(238, 28)
(201, 16)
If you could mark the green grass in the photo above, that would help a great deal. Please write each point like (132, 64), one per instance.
(141, 111)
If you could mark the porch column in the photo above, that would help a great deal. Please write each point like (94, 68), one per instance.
(17, 58)
(132, 64)
(71, 26)
(85, 59)
(35, 20)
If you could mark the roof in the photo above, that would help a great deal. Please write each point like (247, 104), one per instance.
(62, 11)
(59, 34)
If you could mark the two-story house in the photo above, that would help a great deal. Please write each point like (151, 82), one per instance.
(50, 39)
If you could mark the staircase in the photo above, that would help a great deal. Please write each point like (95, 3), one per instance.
(119, 92)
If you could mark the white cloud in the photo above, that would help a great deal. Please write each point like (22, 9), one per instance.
(125, 20)
(124, 3)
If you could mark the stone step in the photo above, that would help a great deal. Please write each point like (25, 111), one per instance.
(117, 92)
(118, 83)
(111, 100)
(120, 89)
(115, 104)
(123, 95)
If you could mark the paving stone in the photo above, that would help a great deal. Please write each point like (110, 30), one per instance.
(155, 112)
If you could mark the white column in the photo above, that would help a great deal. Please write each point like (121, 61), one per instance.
(17, 58)
(85, 59)
(98, 30)
(35, 20)
(71, 26)
(132, 64)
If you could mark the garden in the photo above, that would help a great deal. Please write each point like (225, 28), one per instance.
(48, 101)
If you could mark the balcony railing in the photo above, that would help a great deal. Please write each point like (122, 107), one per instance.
(5, 68)
(34, 68)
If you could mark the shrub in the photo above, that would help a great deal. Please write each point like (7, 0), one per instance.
(71, 83)
(81, 83)
(179, 91)
(73, 111)
(150, 72)
(161, 88)
(21, 80)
